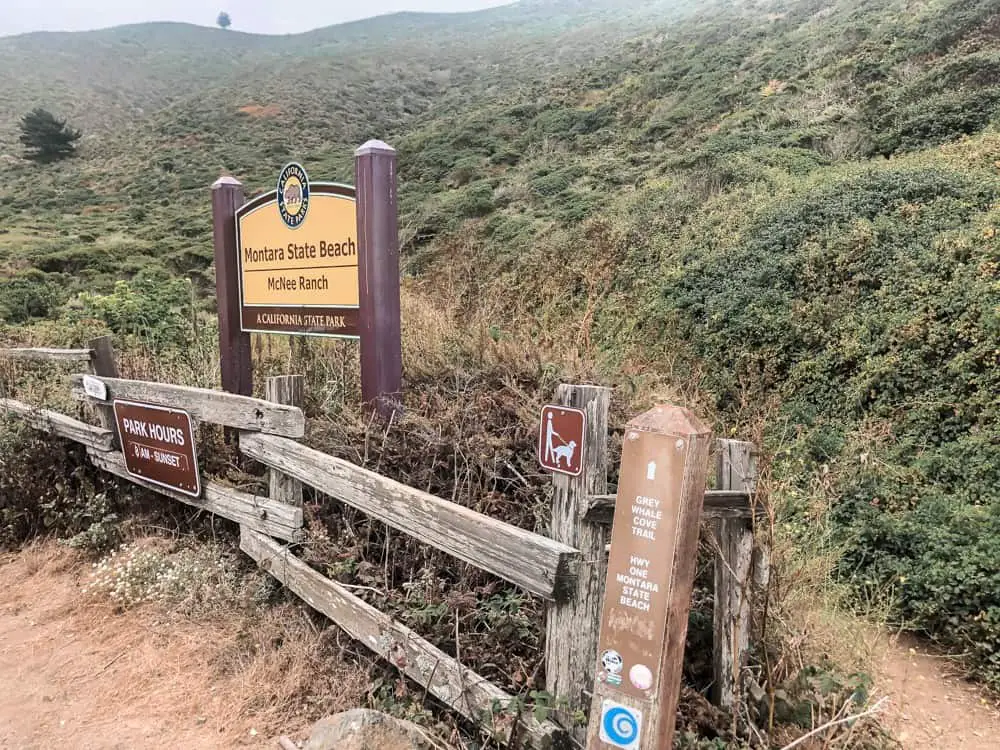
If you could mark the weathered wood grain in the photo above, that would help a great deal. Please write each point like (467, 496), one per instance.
(573, 626)
(717, 504)
(444, 677)
(258, 513)
(736, 465)
(218, 407)
(47, 355)
(735, 471)
(235, 365)
(59, 424)
(533, 562)
(103, 357)
(103, 363)
(290, 390)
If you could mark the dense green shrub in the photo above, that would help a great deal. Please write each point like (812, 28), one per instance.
(30, 294)
(154, 308)
(929, 122)
(941, 559)
(869, 305)
(49, 487)
(472, 201)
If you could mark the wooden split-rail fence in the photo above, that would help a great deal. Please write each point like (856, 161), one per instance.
(566, 568)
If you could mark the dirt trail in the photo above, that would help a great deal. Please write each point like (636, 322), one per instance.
(74, 674)
(932, 707)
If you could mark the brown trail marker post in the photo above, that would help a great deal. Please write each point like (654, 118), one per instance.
(378, 276)
(234, 344)
(651, 568)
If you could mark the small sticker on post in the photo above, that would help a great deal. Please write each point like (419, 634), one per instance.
(621, 726)
(641, 676)
(95, 388)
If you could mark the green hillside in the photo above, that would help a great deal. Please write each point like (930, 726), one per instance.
(785, 213)
(166, 108)
(113, 78)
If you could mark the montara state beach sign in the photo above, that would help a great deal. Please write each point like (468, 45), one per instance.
(298, 258)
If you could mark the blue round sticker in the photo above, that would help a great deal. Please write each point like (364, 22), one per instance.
(620, 726)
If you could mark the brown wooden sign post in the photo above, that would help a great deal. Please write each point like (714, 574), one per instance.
(572, 627)
(234, 344)
(378, 276)
(651, 568)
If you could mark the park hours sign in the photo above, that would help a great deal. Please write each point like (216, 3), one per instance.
(158, 445)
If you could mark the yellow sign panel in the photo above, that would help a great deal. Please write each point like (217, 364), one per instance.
(298, 258)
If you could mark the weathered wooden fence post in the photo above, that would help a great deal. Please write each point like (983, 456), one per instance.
(234, 345)
(102, 363)
(651, 570)
(103, 360)
(573, 624)
(289, 390)
(736, 469)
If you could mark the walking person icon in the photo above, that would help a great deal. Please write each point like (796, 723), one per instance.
(550, 432)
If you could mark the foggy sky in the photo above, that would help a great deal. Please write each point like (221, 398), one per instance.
(256, 16)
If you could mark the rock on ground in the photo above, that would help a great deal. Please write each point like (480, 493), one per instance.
(361, 729)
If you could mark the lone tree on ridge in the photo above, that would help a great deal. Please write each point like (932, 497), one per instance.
(224, 20)
(45, 138)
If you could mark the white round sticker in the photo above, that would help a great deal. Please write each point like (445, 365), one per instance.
(641, 676)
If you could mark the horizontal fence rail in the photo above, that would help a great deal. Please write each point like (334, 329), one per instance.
(443, 676)
(48, 355)
(96, 438)
(205, 405)
(532, 561)
(718, 504)
(258, 513)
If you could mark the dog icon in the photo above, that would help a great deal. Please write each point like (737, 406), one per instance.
(565, 451)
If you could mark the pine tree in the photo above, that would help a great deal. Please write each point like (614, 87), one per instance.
(45, 138)
(224, 20)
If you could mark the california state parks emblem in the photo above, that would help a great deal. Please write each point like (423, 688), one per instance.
(293, 195)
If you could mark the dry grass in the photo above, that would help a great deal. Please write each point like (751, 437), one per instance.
(269, 670)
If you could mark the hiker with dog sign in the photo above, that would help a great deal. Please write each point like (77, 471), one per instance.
(560, 439)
